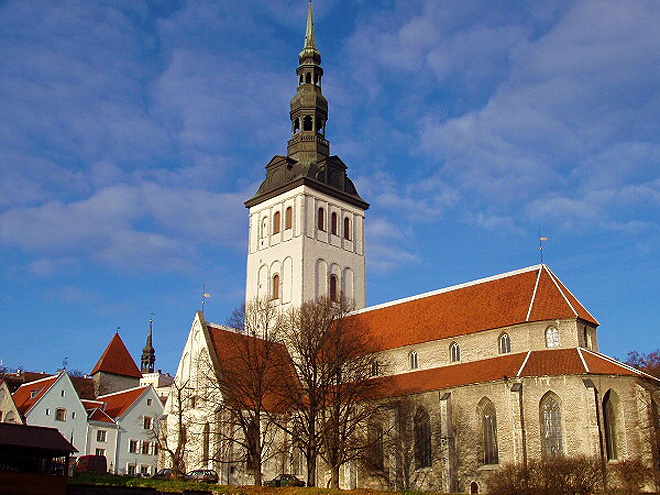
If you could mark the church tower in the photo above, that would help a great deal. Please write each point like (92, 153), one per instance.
(307, 218)
(148, 361)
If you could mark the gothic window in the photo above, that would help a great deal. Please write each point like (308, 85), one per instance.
(609, 415)
(308, 78)
(422, 439)
(276, 287)
(454, 352)
(334, 293)
(552, 337)
(488, 432)
(551, 425)
(505, 343)
(276, 222)
(288, 218)
(320, 219)
(413, 360)
(307, 123)
(296, 125)
(333, 223)
(206, 440)
(347, 228)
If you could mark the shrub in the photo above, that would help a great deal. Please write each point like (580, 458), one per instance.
(629, 476)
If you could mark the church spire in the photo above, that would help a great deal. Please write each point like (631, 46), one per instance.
(309, 49)
(149, 353)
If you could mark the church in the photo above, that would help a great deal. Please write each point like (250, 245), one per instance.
(495, 371)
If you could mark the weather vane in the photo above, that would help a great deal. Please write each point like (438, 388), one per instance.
(541, 241)
(205, 296)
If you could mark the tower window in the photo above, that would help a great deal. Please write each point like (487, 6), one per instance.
(347, 228)
(320, 219)
(454, 352)
(333, 223)
(296, 125)
(319, 126)
(307, 123)
(276, 287)
(301, 78)
(334, 293)
(288, 218)
(276, 222)
(308, 78)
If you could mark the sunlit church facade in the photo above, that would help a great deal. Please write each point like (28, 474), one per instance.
(498, 370)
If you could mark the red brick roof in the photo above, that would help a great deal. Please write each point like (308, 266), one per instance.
(231, 348)
(116, 359)
(28, 394)
(118, 403)
(530, 294)
(550, 362)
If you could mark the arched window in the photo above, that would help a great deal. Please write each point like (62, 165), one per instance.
(206, 434)
(296, 125)
(347, 228)
(413, 360)
(288, 218)
(488, 432)
(505, 343)
(550, 412)
(307, 123)
(609, 415)
(334, 292)
(276, 222)
(320, 219)
(301, 78)
(454, 352)
(276, 287)
(333, 223)
(308, 78)
(422, 439)
(552, 337)
(474, 487)
(264, 228)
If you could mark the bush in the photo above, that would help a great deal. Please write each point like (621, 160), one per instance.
(629, 476)
(553, 476)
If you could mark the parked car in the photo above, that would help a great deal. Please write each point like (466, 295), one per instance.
(203, 476)
(285, 480)
(96, 464)
(169, 474)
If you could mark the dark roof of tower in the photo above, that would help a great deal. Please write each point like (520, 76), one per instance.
(328, 175)
(116, 359)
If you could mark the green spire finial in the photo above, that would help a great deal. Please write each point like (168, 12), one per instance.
(310, 36)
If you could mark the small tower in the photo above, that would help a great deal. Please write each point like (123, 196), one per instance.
(149, 353)
(307, 218)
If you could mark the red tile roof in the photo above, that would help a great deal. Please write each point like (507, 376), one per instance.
(118, 403)
(530, 294)
(28, 394)
(116, 359)
(231, 348)
(100, 416)
(550, 362)
(84, 386)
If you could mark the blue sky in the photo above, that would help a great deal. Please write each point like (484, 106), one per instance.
(132, 132)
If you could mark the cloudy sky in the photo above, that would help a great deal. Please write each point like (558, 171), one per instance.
(132, 132)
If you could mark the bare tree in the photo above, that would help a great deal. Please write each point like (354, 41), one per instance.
(648, 363)
(169, 431)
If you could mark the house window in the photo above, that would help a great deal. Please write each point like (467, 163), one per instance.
(505, 343)
(130, 469)
(133, 446)
(102, 436)
(320, 219)
(144, 470)
(552, 337)
(413, 362)
(276, 223)
(47, 411)
(73, 415)
(62, 393)
(150, 402)
(146, 448)
(609, 415)
(454, 352)
(288, 218)
(100, 452)
(33, 394)
(489, 432)
(276, 287)
(347, 228)
(333, 223)
(422, 439)
(148, 423)
(334, 292)
(551, 425)
(60, 414)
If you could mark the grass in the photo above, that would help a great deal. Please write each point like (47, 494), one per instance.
(180, 485)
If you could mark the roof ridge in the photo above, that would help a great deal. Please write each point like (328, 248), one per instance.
(619, 363)
(571, 293)
(536, 287)
(583, 361)
(37, 381)
(446, 289)
(553, 278)
(122, 391)
(524, 363)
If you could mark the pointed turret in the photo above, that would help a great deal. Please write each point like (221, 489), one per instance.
(116, 370)
(310, 53)
(149, 353)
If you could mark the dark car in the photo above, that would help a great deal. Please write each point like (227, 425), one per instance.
(169, 474)
(203, 476)
(285, 480)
